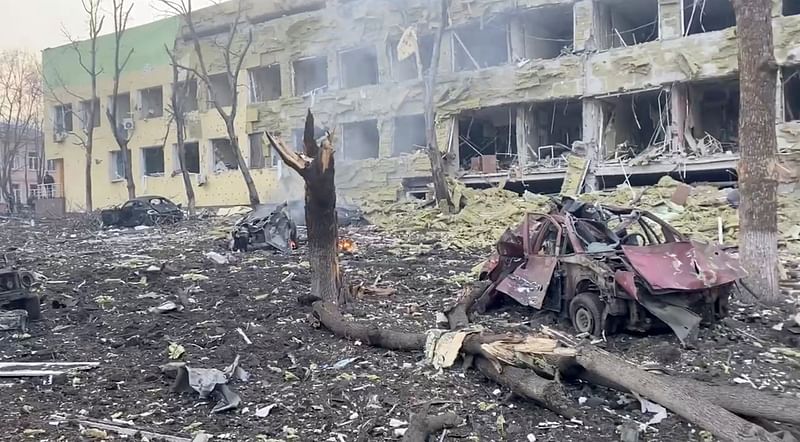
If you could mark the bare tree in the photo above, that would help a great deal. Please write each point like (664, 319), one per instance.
(233, 54)
(441, 192)
(121, 135)
(316, 167)
(178, 108)
(91, 112)
(20, 116)
(758, 211)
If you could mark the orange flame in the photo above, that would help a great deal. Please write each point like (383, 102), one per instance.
(347, 245)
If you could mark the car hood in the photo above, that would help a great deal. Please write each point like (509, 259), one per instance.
(686, 266)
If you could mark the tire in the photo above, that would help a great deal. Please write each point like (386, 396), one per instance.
(34, 308)
(586, 313)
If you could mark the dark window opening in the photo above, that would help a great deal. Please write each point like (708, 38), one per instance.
(707, 15)
(192, 158)
(478, 48)
(552, 128)
(153, 160)
(487, 139)
(87, 116)
(791, 7)
(220, 90)
(635, 122)
(624, 23)
(713, 117)
(791, 92)
(297, 140)
(258, 151)
(123, 109)
(360, 140)
(189, 95)
(224, 155)
(358, 67)
(152, 102)
(409, 134)
(548, 32)
(310, 74)
(62, 119)
(406, 69)
(118, 165)
(265, 83)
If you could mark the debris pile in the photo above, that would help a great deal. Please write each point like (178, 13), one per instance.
(484, 216)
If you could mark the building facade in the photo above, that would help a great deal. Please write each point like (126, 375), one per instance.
(28, 170)
(641, 88)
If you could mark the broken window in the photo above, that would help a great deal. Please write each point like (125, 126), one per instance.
(153, 160)
(547, 31)
(358, 67)
(123, 108)
(477, 47)
(552, 128)
(791, 92)
(707, 15)
(310, 74)
(409, 134)
(360, 140)
(118, 165)
(487, 139)
(261, 155)
(791, 7)
(220, 90)
(265, 83)
(189, 89)
(62, 119)
(152, 102)
(634, 123)
(713, 118)
(191, 152)
(86, 113)
(624, 23)
(407, 69)
(224, 155)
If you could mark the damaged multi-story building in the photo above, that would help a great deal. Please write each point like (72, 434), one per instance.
(641, 88)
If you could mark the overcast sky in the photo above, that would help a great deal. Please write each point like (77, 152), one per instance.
(33, 25)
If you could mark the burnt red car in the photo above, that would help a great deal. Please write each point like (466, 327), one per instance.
(611, 268)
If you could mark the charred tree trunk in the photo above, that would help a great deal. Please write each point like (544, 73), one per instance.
(758, 212)
(441, 192)
(187, 181)
(321, 221)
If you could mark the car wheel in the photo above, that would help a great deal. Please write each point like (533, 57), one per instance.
(586, 313)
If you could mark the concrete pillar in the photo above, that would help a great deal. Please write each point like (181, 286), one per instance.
(583, 22)
(386, 134)
(287, 77)
(446, 54)
(522, 119)
(670, 19)
(592, 128)
(679, 103)
(333, 70)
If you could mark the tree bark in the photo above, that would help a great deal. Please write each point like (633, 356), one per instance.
(252, 192)
(320, 211)
(680, 400)
(758, 211)
(441, 192)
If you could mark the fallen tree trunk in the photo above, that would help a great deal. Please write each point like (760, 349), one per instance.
(422, 425)
(525, 383)
(677, 398)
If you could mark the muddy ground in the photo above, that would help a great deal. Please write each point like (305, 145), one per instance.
(292, 363)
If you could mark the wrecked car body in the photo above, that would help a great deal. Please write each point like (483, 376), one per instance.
(610, 268)
(15, 291)
(142, 211)
(265, 229)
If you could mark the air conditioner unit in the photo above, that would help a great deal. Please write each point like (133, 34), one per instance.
(59, 137)
(128, 124)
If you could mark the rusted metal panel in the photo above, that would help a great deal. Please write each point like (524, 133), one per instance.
(627, 281)
(683, 265)
(528, 283)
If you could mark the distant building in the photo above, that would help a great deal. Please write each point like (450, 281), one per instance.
(642, 88)
(27, 169)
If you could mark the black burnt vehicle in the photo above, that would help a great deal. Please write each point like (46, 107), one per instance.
(142, 211)
(15, 293)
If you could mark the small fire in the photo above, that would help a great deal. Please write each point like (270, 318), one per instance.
(347, 245)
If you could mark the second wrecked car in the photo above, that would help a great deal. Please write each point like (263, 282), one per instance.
(142, 211)
(610, 268)
(264, 228)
